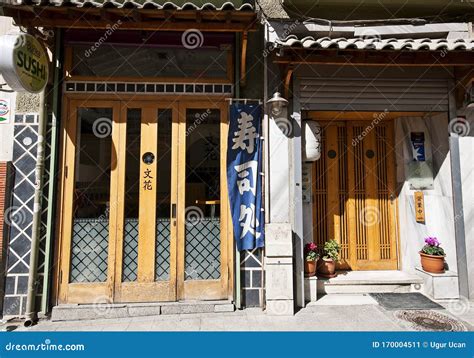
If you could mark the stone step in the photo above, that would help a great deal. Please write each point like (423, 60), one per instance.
(76, 312)
(360, 282)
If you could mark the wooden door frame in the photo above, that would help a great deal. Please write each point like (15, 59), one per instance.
(81, 292)
(223, 287)
(146, 288)
(366, 118)
(68, 136)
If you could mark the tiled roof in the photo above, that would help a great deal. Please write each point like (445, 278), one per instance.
(374, 43)
(217, 5)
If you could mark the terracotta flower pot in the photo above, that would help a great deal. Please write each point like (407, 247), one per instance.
(310, 268)
(431, 263)
(326, 268)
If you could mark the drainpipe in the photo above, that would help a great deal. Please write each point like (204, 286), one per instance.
(50, 227)
(238, 283)
(266, 126)
(31, 315)
(266, 154)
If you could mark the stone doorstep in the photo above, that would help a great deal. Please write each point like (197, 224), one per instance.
(362, 282)
(343, 300)
(75, 312)
(372, 278)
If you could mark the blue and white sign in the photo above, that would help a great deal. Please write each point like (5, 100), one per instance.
(244, 160)
(418, 145)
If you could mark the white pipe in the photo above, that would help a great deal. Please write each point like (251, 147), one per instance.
(31, 314)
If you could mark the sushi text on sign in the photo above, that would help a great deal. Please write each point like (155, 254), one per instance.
(24, 63)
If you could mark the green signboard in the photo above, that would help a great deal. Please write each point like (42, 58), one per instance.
(24, 63)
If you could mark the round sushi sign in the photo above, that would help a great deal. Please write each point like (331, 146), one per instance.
(24, 63)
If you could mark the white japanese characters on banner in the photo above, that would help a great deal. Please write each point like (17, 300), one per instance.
(244, 182)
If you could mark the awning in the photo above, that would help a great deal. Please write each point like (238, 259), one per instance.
(425, 44)
(216, 5)
(146, 15)
(312, 36)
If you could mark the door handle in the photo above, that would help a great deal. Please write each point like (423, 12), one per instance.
(173, 213)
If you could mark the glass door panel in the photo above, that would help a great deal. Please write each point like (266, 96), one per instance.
(203, 229)
(90, 234)
(163, 195)
(132, 195)
(203, 201)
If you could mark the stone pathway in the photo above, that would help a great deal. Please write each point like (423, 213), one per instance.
(355, 313)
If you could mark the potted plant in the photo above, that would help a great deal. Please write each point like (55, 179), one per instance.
(310, 257)
(432, 256)
(327, 265)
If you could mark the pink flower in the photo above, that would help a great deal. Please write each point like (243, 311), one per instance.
(311, 246)
(432, 241)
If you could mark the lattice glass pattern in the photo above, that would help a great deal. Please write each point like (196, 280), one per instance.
(162, 251)
(90, 239)
(130, 251)
(202, 252)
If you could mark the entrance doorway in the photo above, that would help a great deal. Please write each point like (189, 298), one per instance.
(354, 199)
(144, 202)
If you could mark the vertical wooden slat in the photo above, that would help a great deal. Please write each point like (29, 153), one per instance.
(147, 210)
(181, 207)
(342, 188)
(116, 183)
(360, 194)
(371, 214)
(175, 167)
(224, 205)
(117, 206)
(55, 292)
(382, 192)
(332, 172)
(68, 200)
(391, 188)
(351, 200)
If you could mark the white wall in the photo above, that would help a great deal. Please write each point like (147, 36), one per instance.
(6, 130)
(466, 149)
(439, 213)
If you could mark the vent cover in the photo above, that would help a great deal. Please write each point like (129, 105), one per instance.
(351, 94)
(148, 88)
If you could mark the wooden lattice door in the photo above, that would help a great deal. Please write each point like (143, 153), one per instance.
(354, 194)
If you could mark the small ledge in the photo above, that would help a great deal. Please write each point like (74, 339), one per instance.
(447, 273)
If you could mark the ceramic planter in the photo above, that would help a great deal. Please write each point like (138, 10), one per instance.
(310, 268)
(431, 263)
(327, 268)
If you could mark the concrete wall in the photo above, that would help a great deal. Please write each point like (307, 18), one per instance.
(18, 146)
(8, 214)
(6, 130)
(466, 148)
(439, 214)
